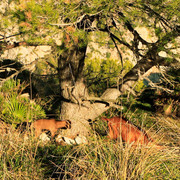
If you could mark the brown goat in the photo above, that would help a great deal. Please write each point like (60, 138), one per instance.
(51, 125)
(128, 132)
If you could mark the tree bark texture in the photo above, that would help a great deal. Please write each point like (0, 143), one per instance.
(70, 69)
(75, 105)
(79, 115)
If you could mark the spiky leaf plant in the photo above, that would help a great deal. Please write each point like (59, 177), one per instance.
(13, 110)
(16, 108)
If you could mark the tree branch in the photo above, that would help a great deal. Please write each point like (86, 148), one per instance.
(80, 20)
(15, 44)
(132, 30)
(10, 36)
(29, 67)
(120, 55)
(108, 102)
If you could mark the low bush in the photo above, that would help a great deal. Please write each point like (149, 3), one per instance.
(16, 108)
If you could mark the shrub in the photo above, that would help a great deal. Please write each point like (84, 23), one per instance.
(16, 108)
(103, 73)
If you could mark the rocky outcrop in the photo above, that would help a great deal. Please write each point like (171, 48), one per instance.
(26, 54)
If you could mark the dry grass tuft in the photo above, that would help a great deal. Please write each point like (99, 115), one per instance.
(18, 157)
(111, 160)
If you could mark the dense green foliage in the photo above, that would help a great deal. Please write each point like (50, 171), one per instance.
(39, 19)
(101, 74)
(16, 108)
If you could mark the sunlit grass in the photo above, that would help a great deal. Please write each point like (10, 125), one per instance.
(22, 158)
(111, 160)
(18, 158)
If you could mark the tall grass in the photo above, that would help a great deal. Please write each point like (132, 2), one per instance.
(28, 159)
(18, 158)
(110, 160)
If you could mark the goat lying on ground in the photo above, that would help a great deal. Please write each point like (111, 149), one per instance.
(128, 132)
(49, 124)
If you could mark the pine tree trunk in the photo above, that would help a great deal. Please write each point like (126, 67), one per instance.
(75, 105)
(80, 114)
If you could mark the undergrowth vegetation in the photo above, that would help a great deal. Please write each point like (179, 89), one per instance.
(17, 108)
(101, 74)
(24, 157)
(29, 158)
(109, 160)
(18, 159)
